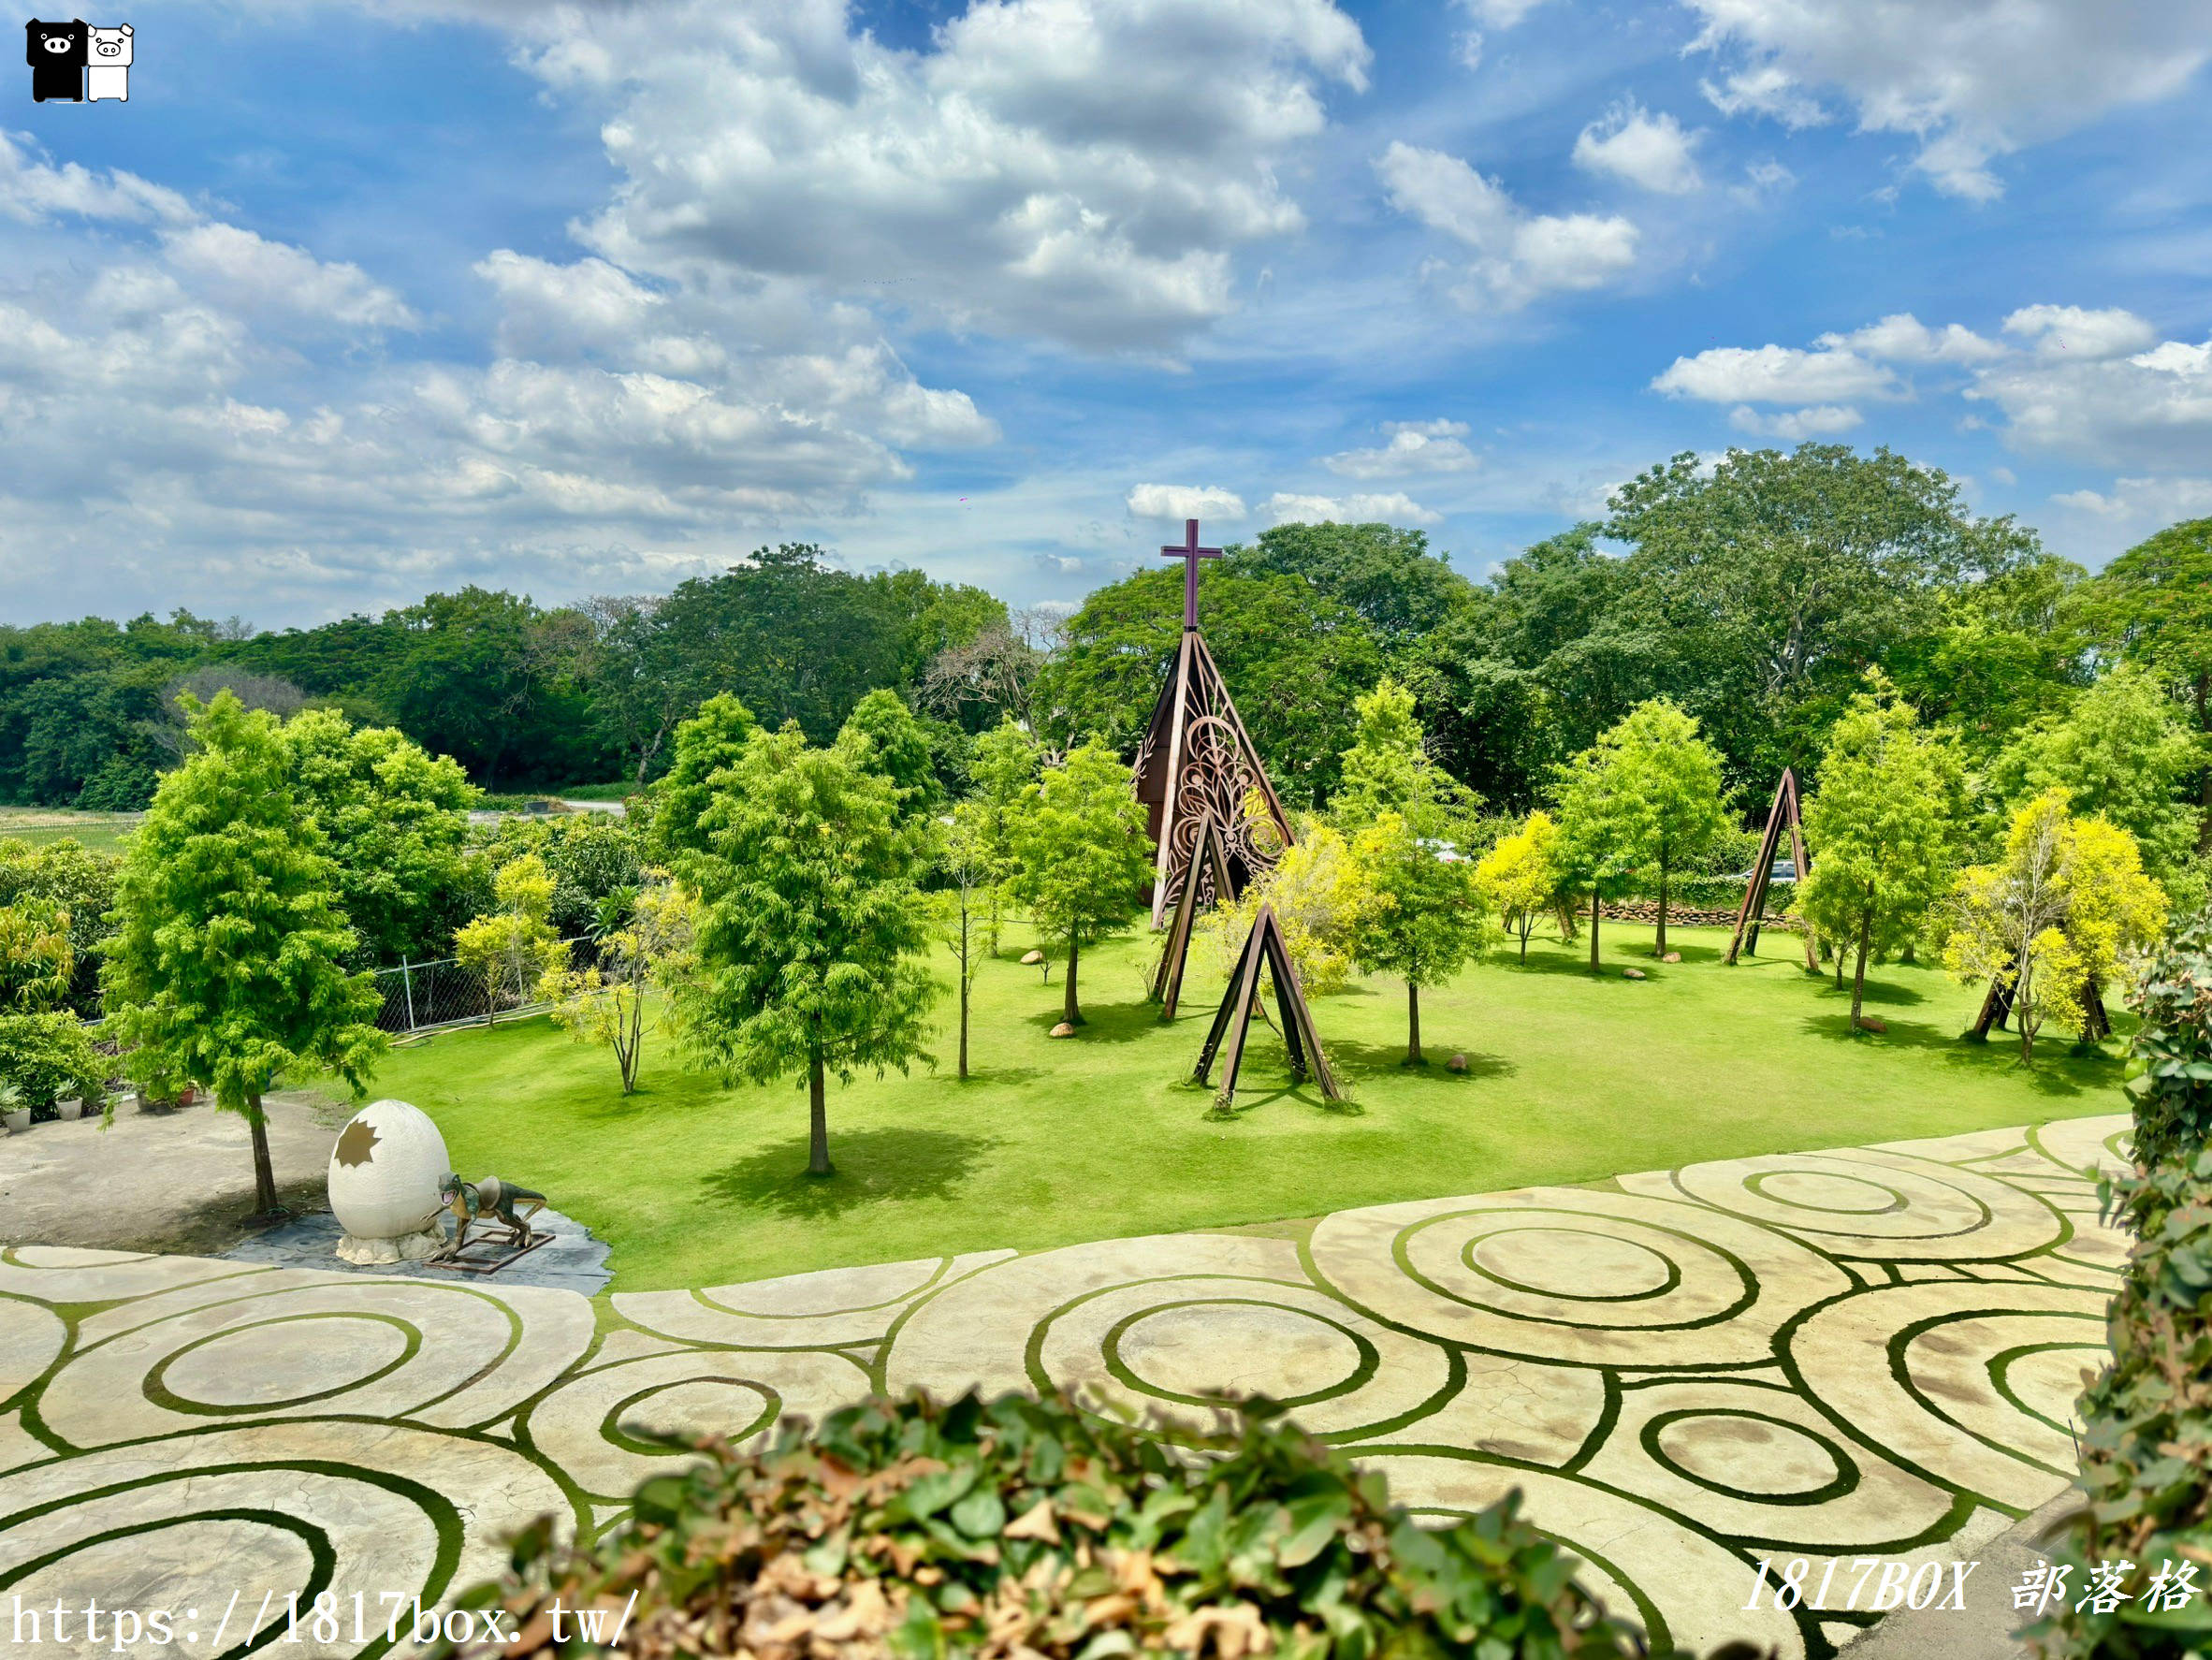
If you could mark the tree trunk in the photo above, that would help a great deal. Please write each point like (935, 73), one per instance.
(265, 1193)
(1526, 918)
(1660, 950)
(965, 980)
(1070, 1012)
(1859, 977)
(1413, 1025)
(1594, 969)
(2096, 1025)
(817, 1160)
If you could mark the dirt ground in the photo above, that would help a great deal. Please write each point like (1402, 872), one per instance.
(180, 1180)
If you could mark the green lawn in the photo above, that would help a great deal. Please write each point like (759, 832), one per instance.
(1570, 1078)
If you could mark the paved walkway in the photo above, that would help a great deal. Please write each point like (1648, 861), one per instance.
(1825, 1355)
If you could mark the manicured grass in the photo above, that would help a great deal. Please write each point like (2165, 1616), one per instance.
(44, 825)
(1570, 1078)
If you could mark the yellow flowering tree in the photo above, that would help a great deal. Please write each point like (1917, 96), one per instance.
(1315, 889)
(514, 948)
(1521, 876)
(608, 1003)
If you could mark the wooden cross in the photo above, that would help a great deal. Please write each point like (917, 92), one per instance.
(1189, 552)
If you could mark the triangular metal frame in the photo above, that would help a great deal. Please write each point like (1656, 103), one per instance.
(1783, 813)
(1210, 857)
(1181, 780)
(1234, 1017)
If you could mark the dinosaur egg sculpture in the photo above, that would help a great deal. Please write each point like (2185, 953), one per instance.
(383, 1184)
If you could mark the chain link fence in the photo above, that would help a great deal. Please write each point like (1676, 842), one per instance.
(430, 997)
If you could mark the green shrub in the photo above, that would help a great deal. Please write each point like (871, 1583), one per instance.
(2170, 1061)
(49, 1058)
(2146, 1437)
(1021, 1527)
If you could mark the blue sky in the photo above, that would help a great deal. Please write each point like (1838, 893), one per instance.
(348, 303)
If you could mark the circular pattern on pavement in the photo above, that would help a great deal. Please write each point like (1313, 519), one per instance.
(1566, 1274)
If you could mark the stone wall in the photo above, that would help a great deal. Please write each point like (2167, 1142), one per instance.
(1684, 916)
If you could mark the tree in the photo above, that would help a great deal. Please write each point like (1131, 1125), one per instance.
(227, 969)
(890, 742)
(1602, 832)
(711, 742)
(1878, 829)
(1004, 765)
(1420, 914)
(2153, 604)
(1671, 779)
(1080, 855)
(2121, 751)
(75, 882)
(810, 925)
(965, 856)
(514, 948)
(2050, 923)
(1386, 575)
(1386, 768)
(606, 1002)
(1314, 890)
(1519, 876)
(395, 823)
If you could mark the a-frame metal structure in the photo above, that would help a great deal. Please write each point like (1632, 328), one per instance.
(1783, 815)
(1207, 870)
(1233, 1019)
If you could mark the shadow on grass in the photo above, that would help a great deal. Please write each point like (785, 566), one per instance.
(1383, 1062)
(2057, 1069)
(997, 1075)
(871, 1166)
(1107, 1023)
(1271, 1086)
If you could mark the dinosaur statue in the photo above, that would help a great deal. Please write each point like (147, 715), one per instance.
(489, 1202)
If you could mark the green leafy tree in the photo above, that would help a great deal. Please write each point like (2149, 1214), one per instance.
(1385, 769)
(1672, 784)
(1602, 826)
(395, 823)
(711, 742)
(889, 741)
(2122, 750)
(972, 871)
(1080, 855)
(1003, 768)
(1315, 891)
(228, 968)
(1878, 830)
(1519, 876)
(514, 948)
(810, 927)
(1420, 914)
(2153, 604)
(75, 881)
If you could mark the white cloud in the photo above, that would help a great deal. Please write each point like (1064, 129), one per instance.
(1079, 169)
(1969, 80)
(1520, 256)
(2070, 332)
(1184, 501)
(32, 190)
(257, 277)
(1821, 420)
(1414, 446)
(2151, 409)
(1902, 338)
(1651, 150)
(1775, 374)
(1394, 508)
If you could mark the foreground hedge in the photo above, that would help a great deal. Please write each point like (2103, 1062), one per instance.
(2146, 1437)
(1023, 1528)
(2170, 1061)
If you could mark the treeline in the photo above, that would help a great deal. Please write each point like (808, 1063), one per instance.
(1753, 595)
(522, 696)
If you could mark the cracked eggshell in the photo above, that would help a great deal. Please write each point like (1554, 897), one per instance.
(385, 1170)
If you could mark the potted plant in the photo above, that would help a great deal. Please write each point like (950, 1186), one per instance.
(13, 1113)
